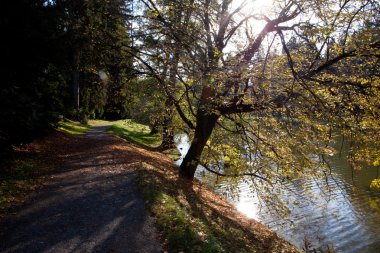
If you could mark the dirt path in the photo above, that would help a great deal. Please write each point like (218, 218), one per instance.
(91, 205)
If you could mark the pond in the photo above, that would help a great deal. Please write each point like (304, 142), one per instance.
(347, 217)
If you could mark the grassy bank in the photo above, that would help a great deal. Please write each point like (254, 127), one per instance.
(135, 132)
(194, 219)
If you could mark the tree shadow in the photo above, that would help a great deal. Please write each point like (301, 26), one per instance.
(100, 214)
(90, 205)
(221, 219)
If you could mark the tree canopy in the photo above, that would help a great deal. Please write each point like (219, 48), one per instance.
(265, 93)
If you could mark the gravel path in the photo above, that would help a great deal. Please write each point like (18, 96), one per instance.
(92, 205)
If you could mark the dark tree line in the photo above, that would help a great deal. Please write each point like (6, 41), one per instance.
(61, 57)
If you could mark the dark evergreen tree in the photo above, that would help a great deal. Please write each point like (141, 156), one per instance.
(33, 88)
(60, 57)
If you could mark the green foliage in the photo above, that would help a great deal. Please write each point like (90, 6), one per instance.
(145, 100)
(33, 88)
(52, 50)
(96, 45)
(181, 232)
(135, 132)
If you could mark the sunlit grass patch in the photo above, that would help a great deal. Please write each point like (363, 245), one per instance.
(135, 132)
(96, 122)
(72, 127)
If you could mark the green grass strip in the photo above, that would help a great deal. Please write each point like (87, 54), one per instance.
(135, 132)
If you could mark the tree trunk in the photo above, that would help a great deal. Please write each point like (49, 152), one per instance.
(205, 124)
(75, 86)
(167, 128)
(75, 90)
(167, 138)
(167, 131)
(154, 129)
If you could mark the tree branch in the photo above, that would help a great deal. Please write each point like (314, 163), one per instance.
(234, 175)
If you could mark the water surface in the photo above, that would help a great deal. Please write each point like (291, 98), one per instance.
(346, 217)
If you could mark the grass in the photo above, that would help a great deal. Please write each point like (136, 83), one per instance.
(95, 122)
(196, 220)
(135, 132)
(72, 127)
(182, 231)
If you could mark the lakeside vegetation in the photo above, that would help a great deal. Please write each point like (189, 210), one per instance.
(193, 219)
(197, 220)
(142, 135)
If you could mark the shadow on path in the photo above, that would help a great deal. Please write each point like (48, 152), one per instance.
(92, 205)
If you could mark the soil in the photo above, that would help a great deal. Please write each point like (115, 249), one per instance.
(89, 204)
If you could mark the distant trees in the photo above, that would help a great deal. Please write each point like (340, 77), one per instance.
(267, 99)
(97, 36)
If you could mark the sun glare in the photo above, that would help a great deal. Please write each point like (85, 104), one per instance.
(249, 8)
(254, 7)
(263, 5)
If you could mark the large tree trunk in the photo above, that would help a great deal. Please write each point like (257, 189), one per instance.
(205, 124)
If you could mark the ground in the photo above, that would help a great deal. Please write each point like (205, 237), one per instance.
(91, 204)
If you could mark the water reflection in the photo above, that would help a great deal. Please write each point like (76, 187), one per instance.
(347, 216)
(182, 143)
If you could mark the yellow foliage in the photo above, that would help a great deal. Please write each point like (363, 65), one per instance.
(375, 184)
